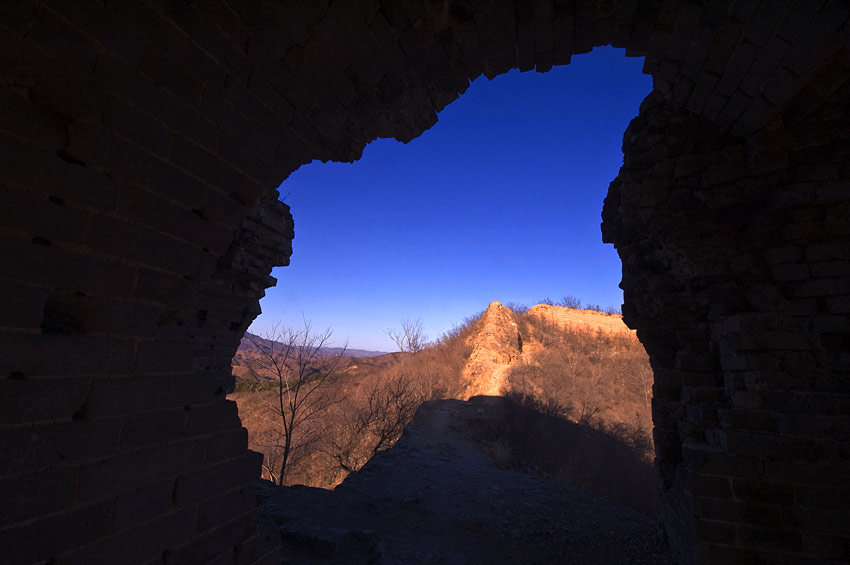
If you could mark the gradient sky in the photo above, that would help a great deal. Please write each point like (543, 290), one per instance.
(500, 200)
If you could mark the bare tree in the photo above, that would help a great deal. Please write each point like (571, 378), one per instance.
(375, 421)
(296, 362)
(410, 339)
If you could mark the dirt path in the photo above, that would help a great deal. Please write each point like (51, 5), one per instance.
(498, 381)
(436, 498)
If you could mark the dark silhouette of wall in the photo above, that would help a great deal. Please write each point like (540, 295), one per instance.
(140, 144)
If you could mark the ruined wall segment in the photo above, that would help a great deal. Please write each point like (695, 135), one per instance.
(140, 144)
(736, 272)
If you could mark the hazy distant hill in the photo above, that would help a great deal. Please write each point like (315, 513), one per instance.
(247, 346)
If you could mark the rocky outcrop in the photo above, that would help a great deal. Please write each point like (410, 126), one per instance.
(580, 320)
(495, 343)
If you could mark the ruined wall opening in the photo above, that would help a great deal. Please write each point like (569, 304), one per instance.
(500, 200)
(139, 142)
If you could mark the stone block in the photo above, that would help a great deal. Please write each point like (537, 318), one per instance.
(137, 126)
(212, 481)
(749, 420)
(830, 323)
(52, 34)
(164, 288)
(152, 539)
(227, 445)
(163, 357)
(142, 504)
(212, 543)
(789, 254)
(825, 546)
(814, 426)
(125, 471)
(702, 91)
(772, 539)
(737, 512)
(709, 461)
(805, 473)
(687, 19)
(723, 553)
(34, 399)
(763, 491)
(40, 540)
(34, 494)
(766, 63)
(51, 445)
(816, 288)
(218, 510)
(815, 38)
(52, 218)
(29, 166)
(133, 241)
(761, 28)
(153, 427)
(761, 445)
(189, 225)
(217, 415)
(790, 272)
(838, 304)
(33, 355)
(822, 496)
(110, 397)
(211, 169)
(25, 311)
(795, 22)
(737, 103)
(752, 118)
(24, 120)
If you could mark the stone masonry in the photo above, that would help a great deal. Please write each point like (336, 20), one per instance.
(141, 144)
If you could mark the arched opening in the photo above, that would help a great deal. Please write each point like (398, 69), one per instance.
(139, 142)
(501, 199)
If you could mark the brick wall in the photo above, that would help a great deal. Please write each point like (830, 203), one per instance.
(140, 144)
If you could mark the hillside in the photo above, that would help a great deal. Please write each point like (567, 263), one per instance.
(577, 384)
(244, 364)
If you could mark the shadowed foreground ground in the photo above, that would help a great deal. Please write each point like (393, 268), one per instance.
(437, 498)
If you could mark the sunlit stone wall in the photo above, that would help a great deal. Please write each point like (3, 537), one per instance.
(141, 144)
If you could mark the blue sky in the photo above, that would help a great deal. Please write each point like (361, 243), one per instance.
(500, 200)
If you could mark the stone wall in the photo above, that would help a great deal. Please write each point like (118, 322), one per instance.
(140, 145)
(736, 270)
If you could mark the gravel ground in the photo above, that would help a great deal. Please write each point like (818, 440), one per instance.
(436, 498)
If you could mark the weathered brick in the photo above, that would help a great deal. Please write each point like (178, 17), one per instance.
(164, 288)
(124, 471)
(151, 539)
(141, 128)
(227, 445)
(809, 473)
(211, 481)
(216, 511)
(31, 399)
(212, 542)
(773, 539)
(153, 427)
(39, 447)
(217, 415)
(31, 495)
(40, 540)
(763, 491)
(142, 504)
(147, 246)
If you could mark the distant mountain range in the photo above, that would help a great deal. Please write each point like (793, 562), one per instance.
(247, 345)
